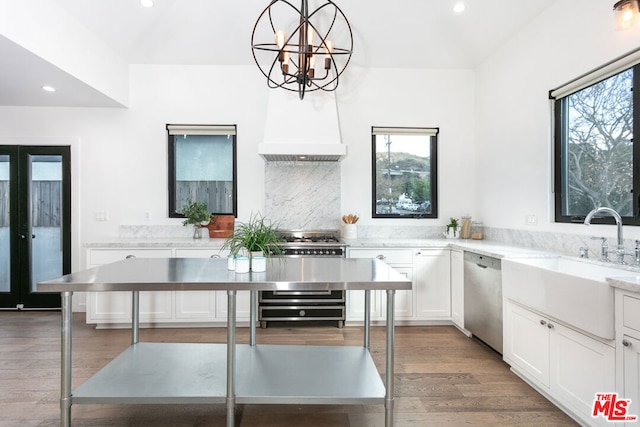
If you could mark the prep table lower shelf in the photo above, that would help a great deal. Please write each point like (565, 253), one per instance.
(268, 374)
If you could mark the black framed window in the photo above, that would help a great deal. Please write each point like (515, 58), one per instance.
(405, 172)
(202, 168)
(596, 160)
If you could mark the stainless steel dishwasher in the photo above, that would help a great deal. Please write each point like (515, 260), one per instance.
(483, 298)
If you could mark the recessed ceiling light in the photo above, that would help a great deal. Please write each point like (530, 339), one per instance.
(48, 88)
(459, 7)
(146, 3)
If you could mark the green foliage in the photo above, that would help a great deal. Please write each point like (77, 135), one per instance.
(195, 213)
(453, 223)
(256, 235)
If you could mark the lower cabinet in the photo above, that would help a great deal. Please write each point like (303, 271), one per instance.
(402, 261)
(457, 287)
(430, 298)
(627, 326)
(193, 308)
(566, 365)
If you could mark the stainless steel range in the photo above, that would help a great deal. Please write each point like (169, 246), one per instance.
(305, 306)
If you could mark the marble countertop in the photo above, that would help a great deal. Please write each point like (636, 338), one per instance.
(172, 242)
(482, 247)
(628, 283)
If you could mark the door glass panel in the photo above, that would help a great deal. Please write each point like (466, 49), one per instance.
(46, 218)
(5, 241)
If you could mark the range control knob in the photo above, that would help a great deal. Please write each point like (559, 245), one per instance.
(302, 313)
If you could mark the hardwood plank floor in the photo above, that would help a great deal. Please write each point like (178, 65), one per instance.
(442, 379)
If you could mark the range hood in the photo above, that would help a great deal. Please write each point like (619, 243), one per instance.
(302, 130)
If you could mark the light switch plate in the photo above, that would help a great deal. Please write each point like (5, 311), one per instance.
(531, 219)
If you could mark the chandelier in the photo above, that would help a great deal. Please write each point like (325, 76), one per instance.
(298, 50)
(625, 13)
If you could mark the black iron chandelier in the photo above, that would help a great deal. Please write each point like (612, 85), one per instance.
(296, 49)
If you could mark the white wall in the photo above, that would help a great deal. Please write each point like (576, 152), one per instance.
(514, 139)
(416, 98)
(123, 152)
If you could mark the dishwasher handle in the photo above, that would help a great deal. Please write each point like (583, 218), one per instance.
(481, 265)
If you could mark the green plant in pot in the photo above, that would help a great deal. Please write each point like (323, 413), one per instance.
(255, 235)
(196, 213)
(452, 228)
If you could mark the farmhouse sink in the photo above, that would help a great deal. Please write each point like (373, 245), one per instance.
(568, 289)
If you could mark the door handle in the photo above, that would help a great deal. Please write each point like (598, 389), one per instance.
(24, 236)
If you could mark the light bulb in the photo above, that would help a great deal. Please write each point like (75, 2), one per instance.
(280, 37)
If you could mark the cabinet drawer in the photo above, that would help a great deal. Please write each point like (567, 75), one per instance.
(106, 256)
(391, 256)
(631, 312)
(201, 253)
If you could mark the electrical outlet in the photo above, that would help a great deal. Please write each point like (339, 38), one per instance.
(147, 216)
(100, 216)
(531, 219)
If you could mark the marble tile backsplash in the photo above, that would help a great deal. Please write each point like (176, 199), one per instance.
(303, 195)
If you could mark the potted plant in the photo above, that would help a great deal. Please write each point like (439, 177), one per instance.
(258, 235)
(452, 230)
(197, 214)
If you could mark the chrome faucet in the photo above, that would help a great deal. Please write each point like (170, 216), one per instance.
(620, 249)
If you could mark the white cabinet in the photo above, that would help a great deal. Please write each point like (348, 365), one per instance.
(402, 261)
(430, 299)
(193, 308)
(628, 348)
(115, 307)
(457, 287)
(566, 365)
(432, 284)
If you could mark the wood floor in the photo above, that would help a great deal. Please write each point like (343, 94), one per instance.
(443, 378)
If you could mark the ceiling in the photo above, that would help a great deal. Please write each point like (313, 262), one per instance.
(402, 33)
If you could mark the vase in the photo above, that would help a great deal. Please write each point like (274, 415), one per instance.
(197, 232)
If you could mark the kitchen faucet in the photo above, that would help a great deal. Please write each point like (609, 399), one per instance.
(620, 250)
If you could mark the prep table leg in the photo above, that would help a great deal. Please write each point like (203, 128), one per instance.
(65, 367)
(388, 404)
(135, 317)
(231, 357)
(252, 318)
(367, 317)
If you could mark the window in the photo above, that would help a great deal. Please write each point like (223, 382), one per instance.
(405, 172)
(202, 168)
(596, 160)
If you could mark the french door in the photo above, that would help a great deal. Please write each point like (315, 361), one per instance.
(35, 223)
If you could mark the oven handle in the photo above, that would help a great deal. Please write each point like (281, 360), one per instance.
(302, 292)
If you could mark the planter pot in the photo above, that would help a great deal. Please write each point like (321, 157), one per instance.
(221, 227)
(452, 233)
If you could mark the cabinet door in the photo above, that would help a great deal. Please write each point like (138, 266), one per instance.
(457, 287)
(526, 342)
(432, 284)
(631, 373)
(580, 368)
(197, 305)
(403, 307)
(115, 307)
(401, 260)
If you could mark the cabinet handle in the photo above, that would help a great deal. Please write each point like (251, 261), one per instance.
(130, 256)
(381, 257)
(550, 326)
(626, 343)
(215, 256)
(543, 322)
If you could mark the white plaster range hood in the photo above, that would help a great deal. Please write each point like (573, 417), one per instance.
(302, 130)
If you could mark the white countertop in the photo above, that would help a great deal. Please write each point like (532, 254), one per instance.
(483, 247)
(628, 283)
(173, 242)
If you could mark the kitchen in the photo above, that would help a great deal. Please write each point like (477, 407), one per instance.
(119, 154)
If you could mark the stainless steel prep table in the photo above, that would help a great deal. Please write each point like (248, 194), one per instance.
(206, 373)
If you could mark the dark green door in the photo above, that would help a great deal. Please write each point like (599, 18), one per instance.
(35, 223)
